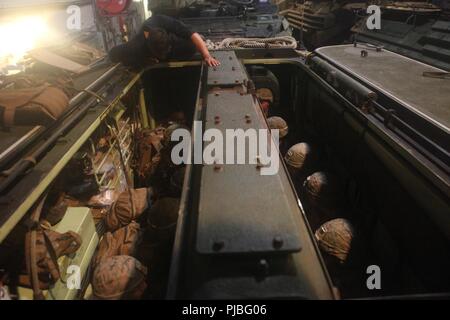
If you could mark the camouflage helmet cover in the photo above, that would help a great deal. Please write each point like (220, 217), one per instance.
(298, 155)
(323, 189)
(264, 94)
(118, 277)
(335, 238)
(280, 124)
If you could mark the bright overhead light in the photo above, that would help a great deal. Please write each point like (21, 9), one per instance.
(20, 35)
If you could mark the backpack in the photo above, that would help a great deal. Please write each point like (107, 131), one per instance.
(123, 241)
(32, 106)
(126, 209)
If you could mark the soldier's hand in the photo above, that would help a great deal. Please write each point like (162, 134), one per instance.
(210, 61)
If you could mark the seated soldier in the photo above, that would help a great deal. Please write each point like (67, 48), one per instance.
(338, 244)
(300, 162)
(176, 182)
(162, 223)
(265, 98)
(160, 180)
(149, 146)
(162, 219)
(321, 195)
(283, 129)
(177, 117)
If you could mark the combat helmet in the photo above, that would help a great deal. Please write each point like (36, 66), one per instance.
(323, 190)
(280, 124)
(168, 134)
(119, 277)
(335, 238)
(299, 157)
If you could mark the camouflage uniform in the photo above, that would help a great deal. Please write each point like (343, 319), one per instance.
(149, 147)
(160, 181)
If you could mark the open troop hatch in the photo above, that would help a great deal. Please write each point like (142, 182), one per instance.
(240, 234)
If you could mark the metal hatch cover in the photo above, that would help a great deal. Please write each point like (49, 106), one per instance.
(230, 71)
(398, 77)
(240, 210)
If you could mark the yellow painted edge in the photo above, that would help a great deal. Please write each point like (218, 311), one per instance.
(6, 228)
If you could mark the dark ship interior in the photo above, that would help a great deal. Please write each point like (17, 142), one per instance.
(102, 174)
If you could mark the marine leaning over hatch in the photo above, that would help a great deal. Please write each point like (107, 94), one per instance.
(161, 38)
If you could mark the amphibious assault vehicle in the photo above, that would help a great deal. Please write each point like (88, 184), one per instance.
(377, 120)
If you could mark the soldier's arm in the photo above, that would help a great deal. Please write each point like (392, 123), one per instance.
(201, 47)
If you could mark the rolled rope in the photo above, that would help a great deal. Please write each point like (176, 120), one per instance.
(253, 43)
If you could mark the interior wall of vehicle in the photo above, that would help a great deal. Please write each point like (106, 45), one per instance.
(398, 234)
(223, 276)
(170, 90)
(95, 168)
